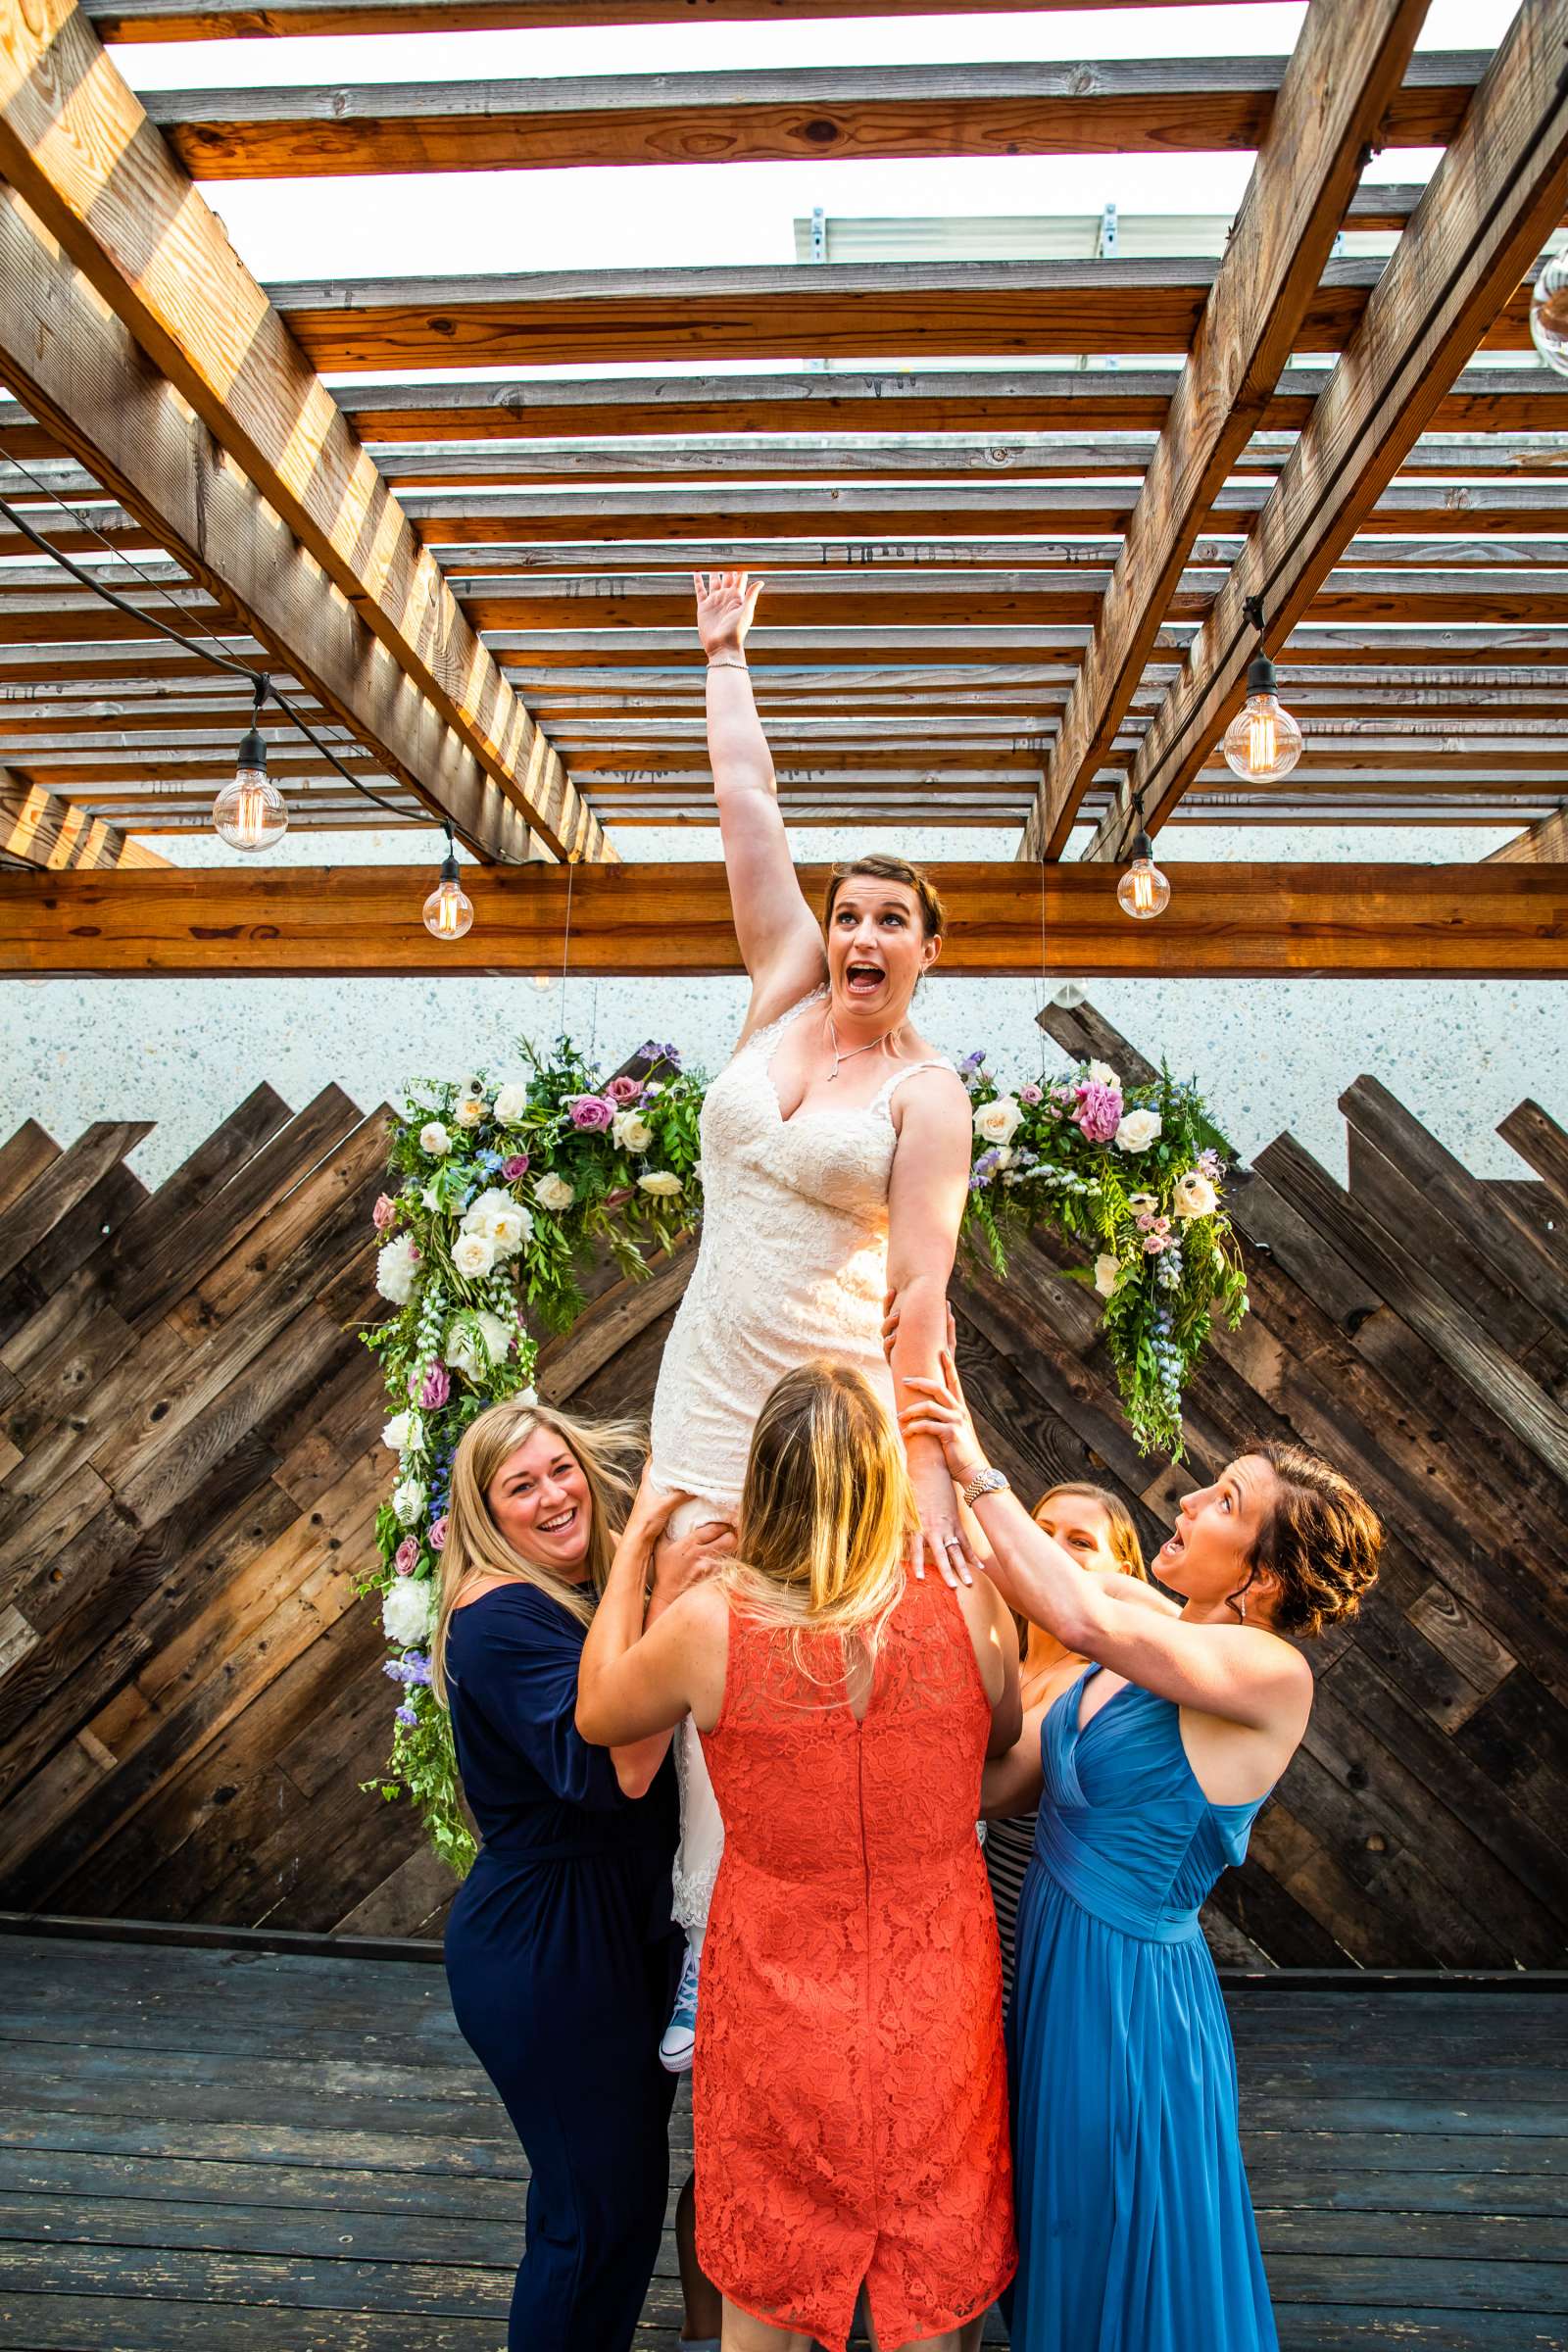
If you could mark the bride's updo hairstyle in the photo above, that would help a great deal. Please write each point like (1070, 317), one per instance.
(1320, 1540)
(891, 869)
(827, 1513)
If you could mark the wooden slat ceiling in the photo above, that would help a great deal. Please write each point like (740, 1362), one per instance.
(937, 536)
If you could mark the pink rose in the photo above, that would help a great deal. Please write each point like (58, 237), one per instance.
(1098, 1111)
(383, 1214)
(516, 1164)
(591, 1112)
(435, 1388)
(1154, 1242)
(1030, 1094)
(406, 1558)
(623, 1089)
(438, 1534)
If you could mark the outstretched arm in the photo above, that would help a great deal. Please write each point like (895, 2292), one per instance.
(926, 1194)
(635, 1683)
(780, 943)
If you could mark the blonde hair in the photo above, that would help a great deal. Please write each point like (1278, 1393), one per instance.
(1119, 1528)
(475, 1544)
(827, 1512)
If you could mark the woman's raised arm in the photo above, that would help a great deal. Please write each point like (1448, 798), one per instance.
(780, 943)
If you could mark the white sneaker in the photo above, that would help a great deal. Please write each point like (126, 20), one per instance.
(680, 2034)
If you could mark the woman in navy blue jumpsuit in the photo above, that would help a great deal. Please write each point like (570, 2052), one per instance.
(560, 1955)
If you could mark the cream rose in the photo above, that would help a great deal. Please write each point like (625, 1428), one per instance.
(509, 1229)
(1138, 1130)
(1196, 1196)
(1139, 1202)
(408, 1612)
(997, 1122)
(555, 1194)
(434, 1139)
(472, 1254)
(470, 1110)
(1104, 1075)
(630, 1131)
(661, 1183)
(396, 1432)
(1107, 1267)
(395, 1269)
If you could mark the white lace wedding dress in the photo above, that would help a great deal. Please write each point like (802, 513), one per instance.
(792, 1264)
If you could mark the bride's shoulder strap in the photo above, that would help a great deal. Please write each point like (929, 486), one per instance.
(891, 1084)
(765, 1039)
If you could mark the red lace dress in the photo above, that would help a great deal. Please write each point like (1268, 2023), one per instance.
(850, 2095)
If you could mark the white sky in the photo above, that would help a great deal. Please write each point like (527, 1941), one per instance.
(730, 213)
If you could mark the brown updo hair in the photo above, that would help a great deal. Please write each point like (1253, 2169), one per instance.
(891, 869)
(1320, 1540)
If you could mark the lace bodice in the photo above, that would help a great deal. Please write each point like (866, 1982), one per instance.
(792, 1263)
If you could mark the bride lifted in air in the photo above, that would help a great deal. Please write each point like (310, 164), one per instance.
(836, 1155)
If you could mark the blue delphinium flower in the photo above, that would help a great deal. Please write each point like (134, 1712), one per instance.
(408, 1714)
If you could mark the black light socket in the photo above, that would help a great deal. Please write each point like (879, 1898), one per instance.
(1261, 675)
(1143, 847)
(252, 750)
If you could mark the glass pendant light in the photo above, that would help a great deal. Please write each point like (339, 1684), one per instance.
(449, 910)
(249, 813)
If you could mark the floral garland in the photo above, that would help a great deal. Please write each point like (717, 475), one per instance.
(505, 1187)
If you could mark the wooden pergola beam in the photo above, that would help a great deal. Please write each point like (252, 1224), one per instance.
(1345, 67)
(189, 21)
(848, 310)
(1497, 189)
(76, 145)
(1545, 843)
(833, 113)
(652, 920)
(41, 831)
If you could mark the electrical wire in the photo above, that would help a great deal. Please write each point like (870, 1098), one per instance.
(224, 661)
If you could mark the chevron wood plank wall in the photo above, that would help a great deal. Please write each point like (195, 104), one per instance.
(190, 1464)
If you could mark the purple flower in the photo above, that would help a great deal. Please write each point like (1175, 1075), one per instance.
(1029, 1093)
(1210, 1166)
(435, 1388)
(622, 1091)
(515, 1164)
(973, 1061)
(383, 1214)
(985, 1167)
(438, 1534)
(406, 1558)
(408, 1714)
(590, 1113)
(1098, 1111)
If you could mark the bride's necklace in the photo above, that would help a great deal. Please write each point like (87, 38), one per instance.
(833, 1042)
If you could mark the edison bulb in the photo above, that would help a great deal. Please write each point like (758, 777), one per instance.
(1262, 739)
(250, 812)
(448, 910)
(1548, 314)
(1142, 891)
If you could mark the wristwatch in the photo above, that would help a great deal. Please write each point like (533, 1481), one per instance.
(986, 1482)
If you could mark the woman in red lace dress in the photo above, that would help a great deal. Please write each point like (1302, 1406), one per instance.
(850, 2097)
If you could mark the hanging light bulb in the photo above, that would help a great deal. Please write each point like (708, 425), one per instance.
(250, 812)
(1263, 742)
(1142, 891)
(1549, 312)
(449, 910)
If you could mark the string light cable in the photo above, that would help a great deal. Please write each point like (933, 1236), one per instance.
(262, 688)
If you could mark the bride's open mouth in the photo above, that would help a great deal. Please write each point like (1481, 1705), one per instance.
(863, 979)
(559, 1525)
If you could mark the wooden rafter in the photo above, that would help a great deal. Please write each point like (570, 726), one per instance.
(189, 21)
(1156, 107)
(1347, 62)
(39, 830)
(1497, 190)
(658, 919)
(77, 146)
(1545, 843)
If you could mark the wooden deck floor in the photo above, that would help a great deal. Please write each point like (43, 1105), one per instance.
(284, 2153)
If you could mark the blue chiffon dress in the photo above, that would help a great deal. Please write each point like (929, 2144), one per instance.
(1135, 2225)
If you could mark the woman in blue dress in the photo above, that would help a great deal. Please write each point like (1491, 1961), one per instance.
(1136, 2231)
(560, 1955)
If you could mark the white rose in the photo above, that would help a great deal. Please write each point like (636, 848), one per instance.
(509, 1228)
(511, 1102)
(1107, 1266)
(1103, 1074)
(408, 1612)
(434, 1139)
(396, 1432)
(555, 1194)
(631, 1131)
(481, 1212)
(661, 1184)
(474, 1356)
(995, 1122)
(472, 1256)
(469, 1111)
(395, 1268)
(407, 1502)
(1138, 1130)
(1196, 1196)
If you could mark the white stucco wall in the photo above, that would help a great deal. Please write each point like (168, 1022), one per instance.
(1271, 1055)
